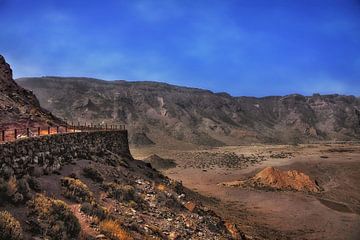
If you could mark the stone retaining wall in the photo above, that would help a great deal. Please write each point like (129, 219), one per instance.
(50, 152)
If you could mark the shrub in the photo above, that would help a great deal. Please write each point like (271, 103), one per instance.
(93, 174)
(120, 192)
(17, 198)
(161, 187)
(76, 190)
(94, 209)
(24, 188)
(34, 184)
(10, 228)
(52, 218)
(9, 190)
(113, 230)
(11, 187)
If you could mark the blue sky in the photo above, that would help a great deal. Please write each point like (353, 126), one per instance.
(253, 47)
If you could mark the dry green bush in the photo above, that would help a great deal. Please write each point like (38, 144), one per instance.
(93, 174)
(10, 228)
(9, 190)
(24, 188)
(52, 218)
(94, 209)
(34, 184)
(120, 192)
(76, 190)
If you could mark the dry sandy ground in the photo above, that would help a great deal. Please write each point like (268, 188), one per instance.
(331, 214)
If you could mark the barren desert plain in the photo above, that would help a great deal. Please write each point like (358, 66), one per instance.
(265, 213)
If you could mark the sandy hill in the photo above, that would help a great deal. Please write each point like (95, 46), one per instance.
(277, 179)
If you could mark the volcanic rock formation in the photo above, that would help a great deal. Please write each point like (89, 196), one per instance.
(19, 107)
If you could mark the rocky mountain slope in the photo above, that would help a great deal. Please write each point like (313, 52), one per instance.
(168, 113)
(19, 107)
(106, 197)
(93, 193)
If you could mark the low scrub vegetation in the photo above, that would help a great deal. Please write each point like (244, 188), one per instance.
(113, 230)
(14, 191)
(94, 209)
(52, 218)
(93, 174)
(76, 190)
(10, 228)
(120, 192)
(34, 184)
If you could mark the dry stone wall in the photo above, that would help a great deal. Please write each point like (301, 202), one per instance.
(48, 153)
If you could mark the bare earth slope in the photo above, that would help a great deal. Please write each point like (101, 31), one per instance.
(19, 107)
(198, 116)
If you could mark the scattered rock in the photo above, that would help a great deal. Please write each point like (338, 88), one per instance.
(191, 206)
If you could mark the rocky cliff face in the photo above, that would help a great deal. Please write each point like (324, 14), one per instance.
(170, 113)
(19, 107)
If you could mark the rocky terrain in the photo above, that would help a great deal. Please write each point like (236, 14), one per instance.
(109, 197)
(18, 106)
(211, 159)
(169, 114)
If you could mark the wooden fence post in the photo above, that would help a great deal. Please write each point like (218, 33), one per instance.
(66, 128)
(3, 135)
(27, 132)
(15, 133)
(49, 130)
(39, 131)
(57, 129)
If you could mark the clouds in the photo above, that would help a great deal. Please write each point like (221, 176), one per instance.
(245, 48)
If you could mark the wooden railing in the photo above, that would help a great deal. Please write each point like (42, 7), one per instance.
(13, 134)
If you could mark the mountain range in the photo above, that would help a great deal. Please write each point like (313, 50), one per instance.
(170, 114)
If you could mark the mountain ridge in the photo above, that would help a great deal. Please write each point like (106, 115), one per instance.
(154, 82)
(199, 116)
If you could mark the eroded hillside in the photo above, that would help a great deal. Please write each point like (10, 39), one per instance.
(166, 112)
